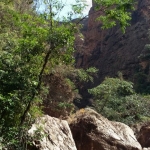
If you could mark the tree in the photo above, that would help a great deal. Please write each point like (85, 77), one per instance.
(63, 87)
(116, 100)
(115, 12)
(22, 43)
(31, 46)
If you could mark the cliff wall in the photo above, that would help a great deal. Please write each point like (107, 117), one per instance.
(110, 50)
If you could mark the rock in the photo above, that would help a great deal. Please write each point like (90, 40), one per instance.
(51, 133)
(136, 128)
(146, 148)
(110, 50)
(144, 136)
(91, 131)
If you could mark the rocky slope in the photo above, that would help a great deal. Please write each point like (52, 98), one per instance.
(110, 50)
(87, 130)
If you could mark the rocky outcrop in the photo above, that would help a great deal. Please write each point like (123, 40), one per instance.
(91, 131)
(144, 136)
(110, 50)
(50, 133)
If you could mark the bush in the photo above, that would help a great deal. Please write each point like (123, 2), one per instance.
(62, 88)
(116, 100)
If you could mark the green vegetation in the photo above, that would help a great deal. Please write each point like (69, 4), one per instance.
(116, 100)
(33, 48)
(142, 77)
(62, 85)
(115, 12)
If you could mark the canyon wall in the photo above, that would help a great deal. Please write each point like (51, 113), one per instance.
(110, 50)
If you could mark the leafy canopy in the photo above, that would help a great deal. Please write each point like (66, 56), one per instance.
(115, 12)
(116, 100)
(31, 45)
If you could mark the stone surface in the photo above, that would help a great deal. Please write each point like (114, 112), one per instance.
(91, 131)
(51, 134)
(144, 136)
(110, 50)
(146, 148)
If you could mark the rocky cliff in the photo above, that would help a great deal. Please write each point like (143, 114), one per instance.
(87, 130)
(110, 50)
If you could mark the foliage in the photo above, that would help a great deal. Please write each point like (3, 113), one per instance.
(142, 76)
(87, 75)
(22, 40)
(65, 79)
(115, 12)
(116, 100)
(58, 100)
(31, 45)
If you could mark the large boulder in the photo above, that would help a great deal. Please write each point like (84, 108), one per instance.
(144, 135)
(49, 133)
(92, 131)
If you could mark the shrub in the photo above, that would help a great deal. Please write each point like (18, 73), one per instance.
(116, 100)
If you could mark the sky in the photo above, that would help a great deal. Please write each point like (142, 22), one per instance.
(67, 6)
(89, 3)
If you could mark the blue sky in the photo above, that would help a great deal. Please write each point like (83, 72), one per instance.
(88, 2)
(67, 6)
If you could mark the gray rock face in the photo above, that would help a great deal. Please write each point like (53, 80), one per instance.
(51, 134)
(91, 131)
